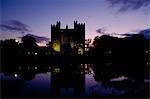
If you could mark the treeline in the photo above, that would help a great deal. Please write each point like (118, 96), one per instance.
(127, 56)
(111, 56)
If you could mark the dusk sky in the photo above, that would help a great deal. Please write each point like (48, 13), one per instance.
(40, 14)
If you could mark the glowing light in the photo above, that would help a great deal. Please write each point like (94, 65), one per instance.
(15, 75)
(80, 51)
(16, 41)
(56, 70)
(35, 53)
(28, 53)
(43, 43)
(56, 46)
(147, 63)
(35, 67)
(86, 66)
(38, 44)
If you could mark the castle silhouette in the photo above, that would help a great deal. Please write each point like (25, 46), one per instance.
(74, 38)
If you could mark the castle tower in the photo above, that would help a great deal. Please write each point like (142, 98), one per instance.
(72, 37)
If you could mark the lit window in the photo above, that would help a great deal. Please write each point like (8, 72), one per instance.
(80, 51)
(56, 70)
(56, 46)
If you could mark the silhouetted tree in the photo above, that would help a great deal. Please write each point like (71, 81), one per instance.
(119, 56)
(28, 42)
(9, 55)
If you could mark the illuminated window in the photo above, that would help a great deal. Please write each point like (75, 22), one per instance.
(56, 46)
(80, 51)
(56, 70)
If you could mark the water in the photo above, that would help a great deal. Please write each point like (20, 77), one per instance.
(40, 86)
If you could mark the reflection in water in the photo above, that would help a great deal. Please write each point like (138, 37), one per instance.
(40, 86)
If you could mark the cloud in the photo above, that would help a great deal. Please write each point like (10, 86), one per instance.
(14, 25)
(144, 32)
(101, 30)
(125, 5)
(39, 39)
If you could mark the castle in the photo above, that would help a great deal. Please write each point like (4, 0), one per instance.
(75, 38)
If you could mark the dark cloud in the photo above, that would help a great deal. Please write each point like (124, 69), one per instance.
(14, 25)
(38, 39)
(101, 30)
(125, 5)
(145, 32)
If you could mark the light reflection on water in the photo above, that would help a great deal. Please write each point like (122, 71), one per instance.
(41, 85)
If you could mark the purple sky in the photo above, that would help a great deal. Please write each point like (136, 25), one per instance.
(40, 14)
